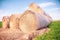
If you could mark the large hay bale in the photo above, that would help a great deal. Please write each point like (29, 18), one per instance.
(35, 8)
(31, 21)
(14, 21)
(5, 22)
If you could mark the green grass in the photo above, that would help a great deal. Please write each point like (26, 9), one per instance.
(53, 34)
(0, 24)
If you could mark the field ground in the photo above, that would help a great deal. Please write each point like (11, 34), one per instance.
(53, 34)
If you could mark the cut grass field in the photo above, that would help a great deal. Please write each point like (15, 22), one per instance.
(53, 34)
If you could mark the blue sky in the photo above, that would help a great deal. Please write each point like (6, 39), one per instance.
(8, 7)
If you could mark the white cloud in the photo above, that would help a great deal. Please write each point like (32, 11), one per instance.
(43, 5)
(3, 13)
(54, 13)
(54, 9)
(55, 16)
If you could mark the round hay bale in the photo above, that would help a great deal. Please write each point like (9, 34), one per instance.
(5, 22)
(14, 21)
(31, 21)
(37, 9)
(27, 22)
